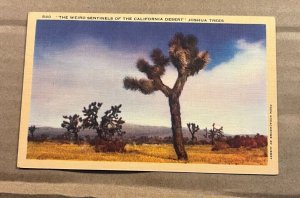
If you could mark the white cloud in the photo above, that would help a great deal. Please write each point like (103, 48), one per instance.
(232, 94)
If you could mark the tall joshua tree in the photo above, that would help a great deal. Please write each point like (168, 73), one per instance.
(188, 60)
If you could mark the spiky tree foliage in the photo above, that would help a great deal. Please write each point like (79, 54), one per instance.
(73, 125)
(188, 60)
(90, 119)
(214, 133)
(31, 130)
(110, 124)
(193, 128)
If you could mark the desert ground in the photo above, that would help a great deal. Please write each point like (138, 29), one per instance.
(163, 153)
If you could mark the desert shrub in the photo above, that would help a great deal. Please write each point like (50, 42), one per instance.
(261, 140)
(44, 137)
(41, 138)
(115, 145)
(141, 140)
(167, 140)
(234, 142)
(246, 141)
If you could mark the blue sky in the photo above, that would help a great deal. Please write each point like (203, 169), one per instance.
(77, 62)
(218, 39)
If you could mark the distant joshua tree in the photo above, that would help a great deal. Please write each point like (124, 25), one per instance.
(214, 133)
(73, 125)
(32, 129)
(193, 128)
(110, 124)
(188, 60)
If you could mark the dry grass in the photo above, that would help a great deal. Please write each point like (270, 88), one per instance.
(147, 153)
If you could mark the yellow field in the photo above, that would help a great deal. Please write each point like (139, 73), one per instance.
(147, 153)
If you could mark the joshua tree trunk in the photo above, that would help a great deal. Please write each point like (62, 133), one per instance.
(212, 141)
(177, 128)
(76, 138)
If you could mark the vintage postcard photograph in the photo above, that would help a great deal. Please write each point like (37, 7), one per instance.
(177, 93)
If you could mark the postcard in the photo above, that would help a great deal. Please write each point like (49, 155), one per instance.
(143, 92)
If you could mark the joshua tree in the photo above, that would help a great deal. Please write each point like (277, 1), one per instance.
(91, 117)
(110, 125)
(193, 128)
(73, 125)
(32, 129)
(188, 60)
(214, 133)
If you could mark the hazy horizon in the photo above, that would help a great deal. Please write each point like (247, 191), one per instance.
(168, 127)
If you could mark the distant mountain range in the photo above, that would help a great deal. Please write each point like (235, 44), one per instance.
(132, 130)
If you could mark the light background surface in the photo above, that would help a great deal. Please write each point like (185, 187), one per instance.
(13, 18)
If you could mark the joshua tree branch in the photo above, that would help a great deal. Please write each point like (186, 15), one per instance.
(198, 63)
(179, 84)
(147, 86)
(162, 87)
(143, 85)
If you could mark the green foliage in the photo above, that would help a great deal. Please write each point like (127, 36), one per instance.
(158, 58)
(91, 115)
(110, 124)
(143, 85)
(185, 55)
(73, 125)
(109, 127)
